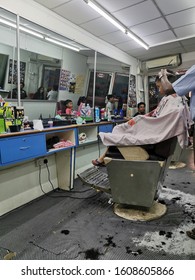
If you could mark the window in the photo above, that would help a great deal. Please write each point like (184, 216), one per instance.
(3, 69)
(51, 76)
(102, 86)
(154, 96)
(120, 88)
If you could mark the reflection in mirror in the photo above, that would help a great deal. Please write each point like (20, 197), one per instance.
(45, 64)
(41, 60)
(7, 50)
(112, 77)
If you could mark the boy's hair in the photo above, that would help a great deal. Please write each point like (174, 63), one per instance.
(109, 96)
(141, 103)
(67, 101)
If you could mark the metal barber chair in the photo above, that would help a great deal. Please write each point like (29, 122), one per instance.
(138, 173)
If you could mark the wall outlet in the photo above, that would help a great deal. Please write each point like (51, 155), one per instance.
(41, 161)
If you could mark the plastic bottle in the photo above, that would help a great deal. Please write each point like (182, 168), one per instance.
(102, 113)
(109, 116)
(83, 110)
(88, 110)
(97, 114)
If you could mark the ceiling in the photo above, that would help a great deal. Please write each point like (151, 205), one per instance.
(167, 26)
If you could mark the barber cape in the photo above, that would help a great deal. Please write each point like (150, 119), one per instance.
(170, 118)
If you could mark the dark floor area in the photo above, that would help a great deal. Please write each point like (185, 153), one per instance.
(81, 225)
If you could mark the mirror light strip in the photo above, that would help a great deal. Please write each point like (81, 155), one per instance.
(61, 44)
(6, 22)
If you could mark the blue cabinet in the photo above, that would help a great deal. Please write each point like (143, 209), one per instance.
(16, 149)
(23, 147)
(105, 128)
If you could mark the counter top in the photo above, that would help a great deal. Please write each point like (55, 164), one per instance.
(57, 128)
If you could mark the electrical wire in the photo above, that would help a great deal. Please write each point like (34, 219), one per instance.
(49, 178)
(55, 190)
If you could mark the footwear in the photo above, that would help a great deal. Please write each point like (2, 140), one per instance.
(191, 233)
(95, 162)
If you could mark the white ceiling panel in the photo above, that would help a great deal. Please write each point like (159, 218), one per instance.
(115, 37)
(173, 6)
(128, 45)
(184, 31)
(76, 11)
(154, 21)
(159, 37)
(50, 4)
(99, 27)
(116, 5)
(182, 18)
(137, 14)
(150, 27)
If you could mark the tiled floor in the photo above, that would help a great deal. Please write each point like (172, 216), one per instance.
(81, 225)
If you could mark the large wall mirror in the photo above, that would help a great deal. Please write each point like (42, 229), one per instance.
(111, 77)
(41, 57)
(43, 63)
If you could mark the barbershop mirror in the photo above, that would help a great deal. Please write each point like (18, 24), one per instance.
(42, 62)
(40, 59)
(7, 49)
(112, 77)
(37, 65)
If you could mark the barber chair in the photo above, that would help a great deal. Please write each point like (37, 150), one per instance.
(61, 108)
(175, 161)
(135, 175)
(136, 179)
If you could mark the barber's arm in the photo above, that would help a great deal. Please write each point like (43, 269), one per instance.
(166, 85)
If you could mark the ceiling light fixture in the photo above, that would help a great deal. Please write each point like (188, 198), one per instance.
(115, 22)
(29, 31)
(62, 44)
(138, 40)
(106, 15)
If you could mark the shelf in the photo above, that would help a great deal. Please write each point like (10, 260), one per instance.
(87, 142)
(59, 149)
(91, 134)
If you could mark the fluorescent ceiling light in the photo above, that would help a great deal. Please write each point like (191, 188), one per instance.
(116, 23)
(62, 44)
(29, 31)
(136, 39)
(106, 16)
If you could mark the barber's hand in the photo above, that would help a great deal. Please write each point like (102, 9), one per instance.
(164, 72)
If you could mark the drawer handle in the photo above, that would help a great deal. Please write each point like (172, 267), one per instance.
(25, 148)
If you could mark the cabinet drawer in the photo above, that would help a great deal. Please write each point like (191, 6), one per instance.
(21, 148)
(105, 128)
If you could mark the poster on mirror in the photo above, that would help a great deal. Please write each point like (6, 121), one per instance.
(132, 99)
(13, 67)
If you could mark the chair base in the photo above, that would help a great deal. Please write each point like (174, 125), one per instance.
(156, 211)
